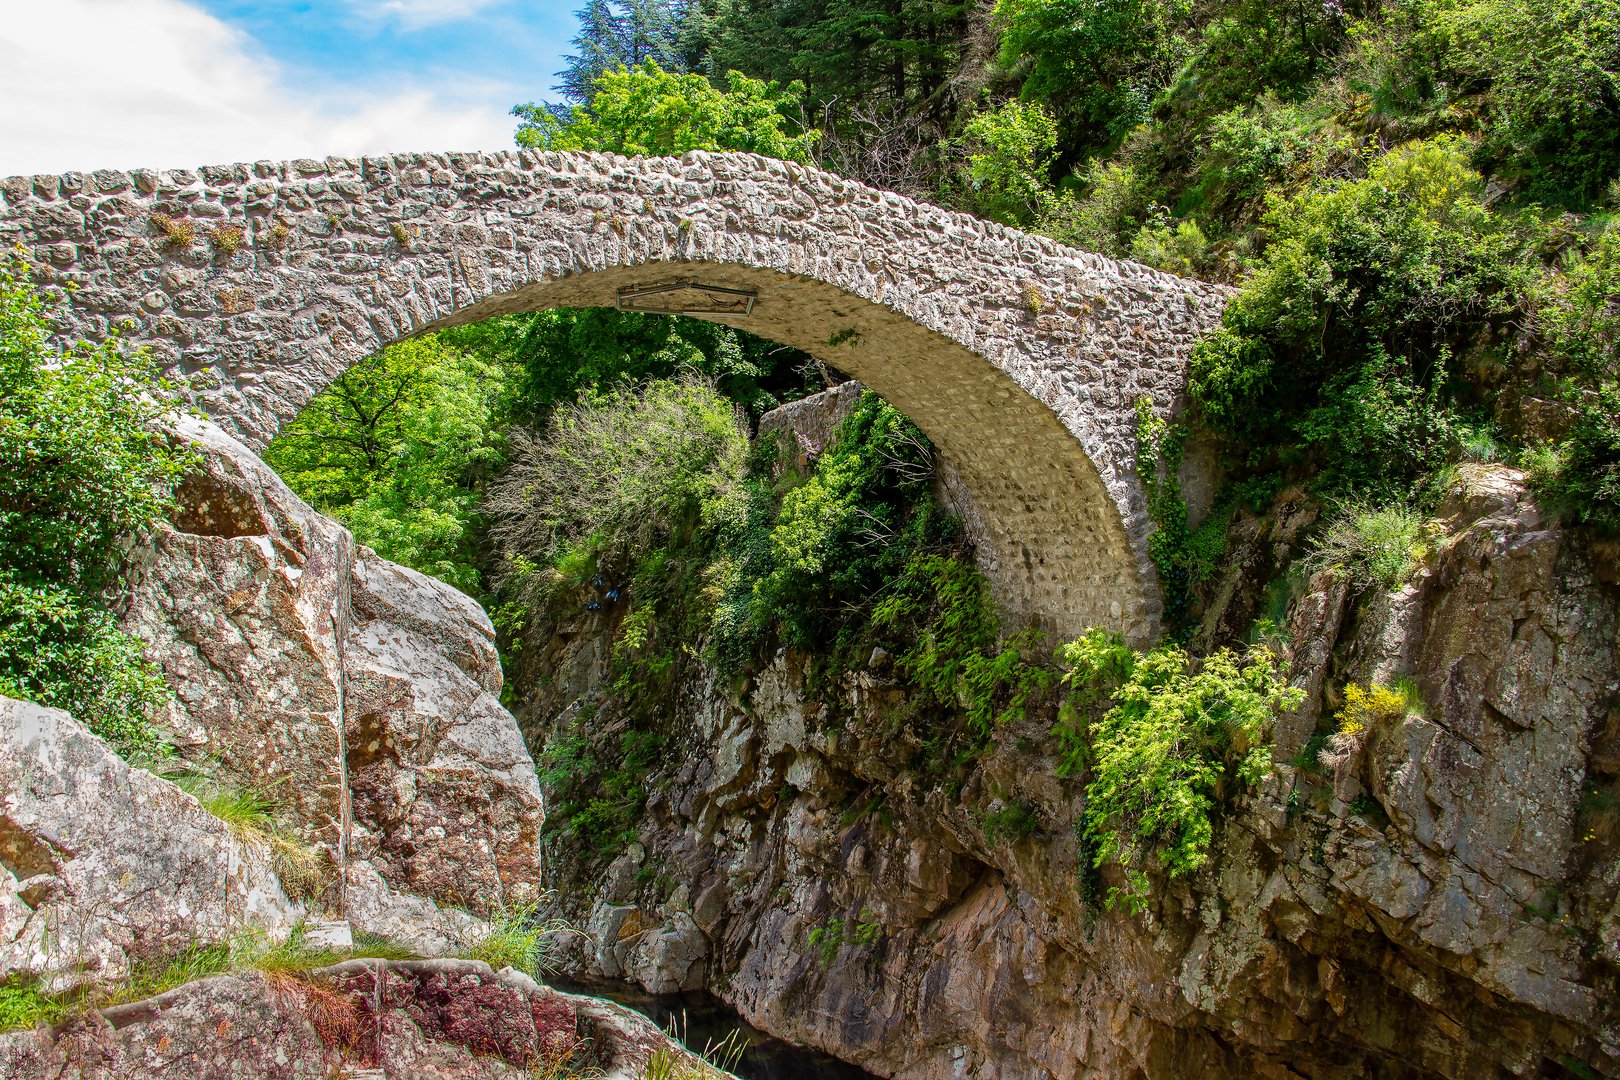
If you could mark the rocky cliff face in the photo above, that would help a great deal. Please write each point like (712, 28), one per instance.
(1439, 899)
(360, 694)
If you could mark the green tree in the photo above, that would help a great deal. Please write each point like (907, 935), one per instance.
(83, 468)
(1096, 63)
(559, 354)
(399, 449)
(651, 111)
(1011, 150)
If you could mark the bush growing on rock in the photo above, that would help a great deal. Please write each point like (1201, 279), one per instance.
(1179, 734)
(1372, 545)
(613, 477)
(83, 468)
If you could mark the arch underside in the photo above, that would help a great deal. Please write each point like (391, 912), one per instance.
(1045, 529)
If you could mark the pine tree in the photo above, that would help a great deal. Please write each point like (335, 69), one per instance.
(623, 34)
(600, 45)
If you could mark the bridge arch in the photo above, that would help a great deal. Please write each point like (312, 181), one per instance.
(257, 285)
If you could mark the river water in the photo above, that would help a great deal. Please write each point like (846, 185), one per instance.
(704, 1020)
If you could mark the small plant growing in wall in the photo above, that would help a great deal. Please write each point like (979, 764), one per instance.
(1365, 709)
(174, 234)
(278, 234)
(227, 239)
(1034, 299)
(1010, 823)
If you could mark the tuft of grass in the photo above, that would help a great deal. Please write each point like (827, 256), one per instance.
(1372, 545)
(717, 1058)
(251, 818)
(175, 234)
(227, 239)
(337, 1018)
(517, 939)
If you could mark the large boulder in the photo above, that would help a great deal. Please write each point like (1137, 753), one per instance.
(363, 696)
(422, 1020)
(103, 865)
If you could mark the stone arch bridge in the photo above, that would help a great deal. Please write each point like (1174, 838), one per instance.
(257, 285)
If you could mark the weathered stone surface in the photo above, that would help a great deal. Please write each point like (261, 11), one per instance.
(1439, 907)
(1021, 359)
(423, 1020)
(315, 671)
(230, 1027)
(102, 865)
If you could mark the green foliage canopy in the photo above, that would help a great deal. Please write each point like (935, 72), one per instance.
(650, 111)
(398, 449)
(1339, 344)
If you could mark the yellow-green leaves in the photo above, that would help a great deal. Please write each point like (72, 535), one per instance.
(653, 112)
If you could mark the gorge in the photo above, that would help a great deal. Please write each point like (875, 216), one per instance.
(1432, 893)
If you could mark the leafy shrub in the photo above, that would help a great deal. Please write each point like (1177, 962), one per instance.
(1578, 311)
(1181, 248)
(1011, 822)
(1337, 349)
(1251, 148)
(1578, 315)
(1009, 160)
(1105, 218)
(1179, 735)
(940, 608)
(1365, 708)
(1372, 545)
(807, 559)
(1550, 70)
(613, 476)
(83, 468)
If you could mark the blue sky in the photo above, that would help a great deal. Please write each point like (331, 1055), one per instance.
(154, 83)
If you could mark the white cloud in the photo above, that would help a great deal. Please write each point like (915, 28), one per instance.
(161, 83)
(415, 14)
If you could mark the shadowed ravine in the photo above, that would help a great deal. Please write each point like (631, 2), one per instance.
(704, 1020)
